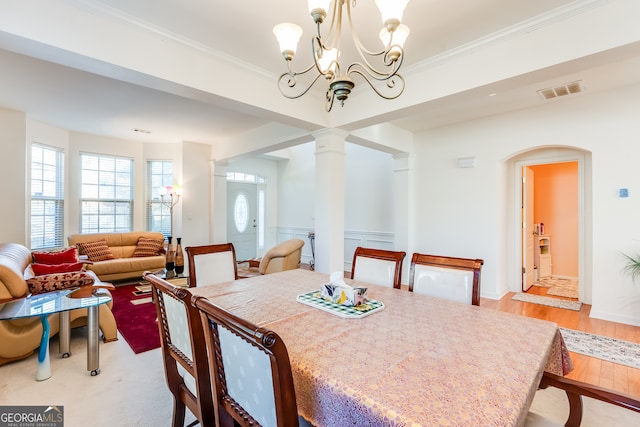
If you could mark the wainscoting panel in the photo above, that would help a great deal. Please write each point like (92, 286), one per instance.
(352, 239)
(298, 233)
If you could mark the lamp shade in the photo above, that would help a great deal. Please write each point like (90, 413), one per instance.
(391, 9)
(399, 36)
(328, 60)
(288, 36)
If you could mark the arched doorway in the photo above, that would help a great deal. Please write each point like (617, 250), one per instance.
(549, 156)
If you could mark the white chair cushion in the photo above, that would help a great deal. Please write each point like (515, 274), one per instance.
(376, 271)
(249, 380)
(180, 335)
(446, 283)
(214, 268)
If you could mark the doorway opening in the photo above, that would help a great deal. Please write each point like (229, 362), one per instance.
(550, 229)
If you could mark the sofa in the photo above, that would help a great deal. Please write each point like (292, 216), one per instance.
(121, 261)
(20, 337)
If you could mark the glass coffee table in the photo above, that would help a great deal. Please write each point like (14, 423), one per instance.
(62, 302)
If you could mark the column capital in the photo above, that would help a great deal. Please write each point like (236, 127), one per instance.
(330, 140)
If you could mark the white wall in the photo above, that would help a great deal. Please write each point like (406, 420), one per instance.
(192, 213)
(13, 172)
(464, 212)
(369, 209)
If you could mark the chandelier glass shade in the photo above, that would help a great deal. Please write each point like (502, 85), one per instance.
(379, 68)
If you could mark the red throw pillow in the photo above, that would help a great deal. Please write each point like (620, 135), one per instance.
(42, 269)
(64, 256)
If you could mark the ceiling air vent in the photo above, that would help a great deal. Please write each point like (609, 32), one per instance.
(562, 90)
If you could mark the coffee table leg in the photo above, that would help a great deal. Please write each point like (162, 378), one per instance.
(44, 364)
(65, 334)
(92, 340)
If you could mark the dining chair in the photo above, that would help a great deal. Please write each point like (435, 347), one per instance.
(455, 279)
(575, 391)
(184, 352)
(377, 266)
(250, 368)
(211, 264)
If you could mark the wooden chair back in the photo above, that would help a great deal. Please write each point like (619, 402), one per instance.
(377, 266)
(211, 264)
(455, 279)
(184, 352)
(251, 369)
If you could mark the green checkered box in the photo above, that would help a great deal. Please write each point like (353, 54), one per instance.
(314, 299)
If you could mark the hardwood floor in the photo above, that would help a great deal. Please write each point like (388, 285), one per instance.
(588, 369)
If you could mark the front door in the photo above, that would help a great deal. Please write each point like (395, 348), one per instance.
(241, 218)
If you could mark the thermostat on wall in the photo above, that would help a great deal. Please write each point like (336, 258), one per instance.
(623, 192)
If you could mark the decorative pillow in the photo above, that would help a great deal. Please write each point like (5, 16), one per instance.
(42, 269)
(63, 256)
(57, 281)
(148, 247)
(96, 251)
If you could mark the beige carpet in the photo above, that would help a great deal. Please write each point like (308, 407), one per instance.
(560, 287)
(131, 390)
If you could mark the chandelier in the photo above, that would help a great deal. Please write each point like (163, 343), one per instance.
(326, 52)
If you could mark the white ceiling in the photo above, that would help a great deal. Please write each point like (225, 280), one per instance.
(55, 87)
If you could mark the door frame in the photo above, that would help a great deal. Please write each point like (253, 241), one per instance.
(584, 238)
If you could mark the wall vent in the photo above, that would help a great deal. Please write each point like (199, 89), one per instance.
(562, 90)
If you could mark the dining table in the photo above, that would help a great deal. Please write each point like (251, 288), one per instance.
(415, 360)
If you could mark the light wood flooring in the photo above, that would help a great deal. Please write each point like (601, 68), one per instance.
(594, 371)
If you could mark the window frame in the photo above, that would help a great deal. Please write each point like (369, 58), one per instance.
(157, 210)
(51, 212)
(105, 181)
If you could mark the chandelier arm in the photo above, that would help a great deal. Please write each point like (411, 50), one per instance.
(328, 101)
(365, 53)
(316, 42)
(394, 82)
(291, 83)
(372, 72)
(362, 50)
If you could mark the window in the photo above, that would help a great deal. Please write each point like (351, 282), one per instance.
(159, 174)
(241, 212)
(47, 197)
(106, 194)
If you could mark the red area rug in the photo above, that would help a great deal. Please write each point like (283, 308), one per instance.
(136, 322)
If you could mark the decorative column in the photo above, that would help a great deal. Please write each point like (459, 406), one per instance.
(329, 203)
(403, 204)
(218, 208)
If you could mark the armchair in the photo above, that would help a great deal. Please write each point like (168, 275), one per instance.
(281, 257)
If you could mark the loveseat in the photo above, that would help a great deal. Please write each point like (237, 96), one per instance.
(20, 337)
(125, 256)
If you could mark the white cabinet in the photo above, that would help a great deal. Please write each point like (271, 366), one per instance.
(542, 258)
